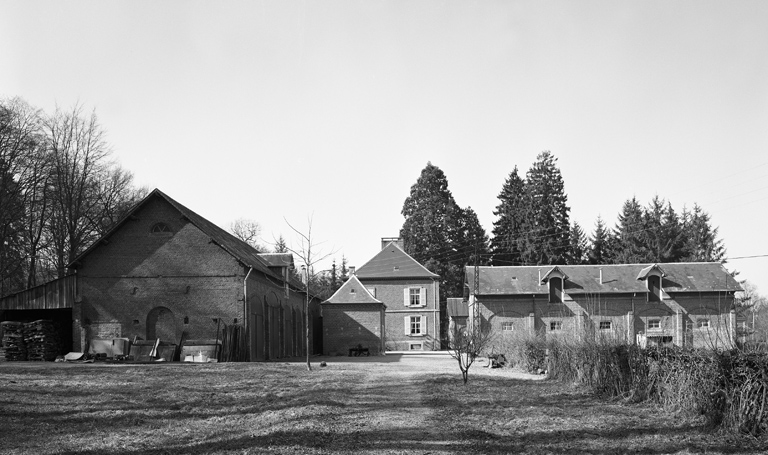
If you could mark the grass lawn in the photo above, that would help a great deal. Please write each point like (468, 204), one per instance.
(382, 405)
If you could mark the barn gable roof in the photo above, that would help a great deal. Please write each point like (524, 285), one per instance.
(393, 262)
(609, 278)
(237, 248)
(352, 291)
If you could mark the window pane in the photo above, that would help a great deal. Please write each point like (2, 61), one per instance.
(415, 294)
(415, 325)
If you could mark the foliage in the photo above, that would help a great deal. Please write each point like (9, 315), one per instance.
(599, 244)
(280, 245)
(508, 228)
(535, 354)
(579, 248)
(440, 235)
(656, 233)
(59, 190)
(730, 388)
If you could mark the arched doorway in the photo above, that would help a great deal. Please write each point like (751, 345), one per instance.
(161, 323)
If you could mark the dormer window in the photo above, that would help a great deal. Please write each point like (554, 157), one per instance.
(652, 275)
(555, 290)
(554, 279)
(654, 288)
(160, 229)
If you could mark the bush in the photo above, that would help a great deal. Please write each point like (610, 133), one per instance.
(535, 355)
(729, 388)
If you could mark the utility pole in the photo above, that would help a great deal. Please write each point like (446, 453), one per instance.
(475, 293)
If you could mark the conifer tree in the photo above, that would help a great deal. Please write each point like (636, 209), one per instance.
(599, 248)
(439, 234)
(700, 238)
(547, 229)
(280, 245)
(507, 229)
(579, 245)
(629, 234)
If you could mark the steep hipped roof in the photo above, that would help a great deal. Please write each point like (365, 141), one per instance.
(393, 262)
(238, 249)
(618, 278)
(352, 291)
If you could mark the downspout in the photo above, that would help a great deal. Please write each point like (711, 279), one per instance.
(245, 309)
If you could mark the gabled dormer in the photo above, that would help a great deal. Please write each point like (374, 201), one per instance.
(555, 281)
(653, 276)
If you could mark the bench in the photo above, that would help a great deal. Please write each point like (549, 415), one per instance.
(358, 351)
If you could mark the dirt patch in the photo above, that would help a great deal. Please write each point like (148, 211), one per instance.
(379, 405)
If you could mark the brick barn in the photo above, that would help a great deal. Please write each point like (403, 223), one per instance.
(352, 316)
(165, 272)
(680, 304)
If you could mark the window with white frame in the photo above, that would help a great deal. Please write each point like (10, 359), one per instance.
(414, 325)
(415, 297)
(555, 325)
(507, 326)
(654, 324)
(702, 323)
(605, 325)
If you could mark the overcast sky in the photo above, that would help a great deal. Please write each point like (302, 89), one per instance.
(330, 109)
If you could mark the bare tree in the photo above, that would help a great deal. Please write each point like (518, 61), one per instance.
(249, 231)
(309, 255)
(466, 344)
(23, 166)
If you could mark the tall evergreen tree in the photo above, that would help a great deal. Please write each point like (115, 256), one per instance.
(441, 235)
(579, 249)
(471, 243)
(280, 245)
(700, 238)
(629, 233)
(599, 248)
(510, 220)
(431, 216)
(546, 237)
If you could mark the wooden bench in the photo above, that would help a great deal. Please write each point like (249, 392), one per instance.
(358, 351)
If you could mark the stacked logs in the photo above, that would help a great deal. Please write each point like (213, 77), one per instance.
(13, 341)
(42, 340)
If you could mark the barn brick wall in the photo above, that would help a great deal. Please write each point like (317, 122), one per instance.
(134, 272)
(187, 282)
(347, 325)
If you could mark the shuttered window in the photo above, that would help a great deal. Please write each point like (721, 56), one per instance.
(415, 297)
(415, 325)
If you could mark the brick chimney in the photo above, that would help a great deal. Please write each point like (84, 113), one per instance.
(385, 241)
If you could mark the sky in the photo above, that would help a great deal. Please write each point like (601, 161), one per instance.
(290, 111)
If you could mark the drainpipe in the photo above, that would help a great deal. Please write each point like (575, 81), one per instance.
(245, 309)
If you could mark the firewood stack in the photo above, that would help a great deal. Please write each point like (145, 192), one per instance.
(42, 340)
(13, 341)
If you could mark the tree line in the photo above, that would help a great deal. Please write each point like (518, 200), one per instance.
(533, 227)
(59, 190)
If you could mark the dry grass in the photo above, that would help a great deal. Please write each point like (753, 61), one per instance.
(381, 405)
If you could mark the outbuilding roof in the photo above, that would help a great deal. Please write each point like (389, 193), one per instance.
(237, 248)
(393, 262)
(609, 278)
(352, 291)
